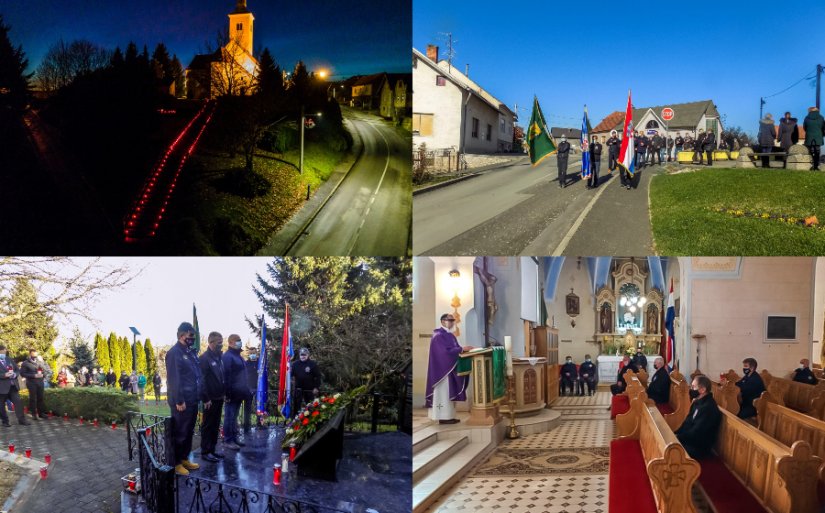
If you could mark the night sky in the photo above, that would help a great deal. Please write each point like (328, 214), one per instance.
(348, 38)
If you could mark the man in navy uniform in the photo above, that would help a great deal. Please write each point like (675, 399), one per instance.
(237, 390)
(561, 161)
(212, 394)
(658, 388)
(587, 375)
(307, 378)
(34, 370)
(803, 373)
(751, 387)
(700, 428)
(9, 388)
(183, 383)
(614, 145)
(569, 376)
(595, 163)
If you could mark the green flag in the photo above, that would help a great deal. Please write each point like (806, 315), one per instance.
(197, 346)
(540, 143)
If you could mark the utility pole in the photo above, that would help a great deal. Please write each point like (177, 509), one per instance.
(761, 104)
(819, 69)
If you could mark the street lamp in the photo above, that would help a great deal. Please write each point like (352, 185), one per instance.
(135, 333)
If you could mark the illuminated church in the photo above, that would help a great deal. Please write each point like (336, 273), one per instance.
(230, 69)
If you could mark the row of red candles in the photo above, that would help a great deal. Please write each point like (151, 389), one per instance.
(44, 470)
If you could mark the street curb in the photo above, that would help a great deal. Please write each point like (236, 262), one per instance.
(287, 236)
(29, 480)
(480, 171)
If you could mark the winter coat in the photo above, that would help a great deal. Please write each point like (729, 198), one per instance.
(710, 142)
(766, 135)
(814, 127)
(787, 127)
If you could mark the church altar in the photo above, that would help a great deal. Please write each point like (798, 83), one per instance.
(487, 384)
(609, 366)
(528, 374)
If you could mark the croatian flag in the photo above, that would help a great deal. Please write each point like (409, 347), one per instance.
(260, 394)
(285, 384)
(628, 150)
(585, 147)
(670, 314)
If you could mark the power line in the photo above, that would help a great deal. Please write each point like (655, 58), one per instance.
(807, 77)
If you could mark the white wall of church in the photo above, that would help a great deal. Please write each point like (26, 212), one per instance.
(573, 341)
(729, 304)
(819, 310)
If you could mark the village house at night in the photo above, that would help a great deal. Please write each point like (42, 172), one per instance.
(230, 69)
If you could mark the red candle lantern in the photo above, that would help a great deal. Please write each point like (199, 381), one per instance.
(114, 424)
(96, 423)
(81, 420)
(11, 447)
(44, 472)
(132, 484)
(276, 474)
(25, 409)
(292, 452)
(148, 432)
(47, 457)
(50, 414)
(65, 416)
(28, 452)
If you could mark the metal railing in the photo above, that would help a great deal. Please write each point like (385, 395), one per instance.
(374, 409)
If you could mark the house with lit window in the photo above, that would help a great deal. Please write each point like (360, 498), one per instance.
(452, 111)
(231, 69)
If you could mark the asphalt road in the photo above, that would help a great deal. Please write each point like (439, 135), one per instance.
(519, 210)
(370, 212)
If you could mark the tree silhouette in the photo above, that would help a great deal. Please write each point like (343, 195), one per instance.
(14, 81)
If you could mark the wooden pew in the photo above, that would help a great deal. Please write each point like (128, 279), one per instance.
(788, 426)
(620, 403)
(797, 396)
(679, 400)
(726, 396)
(783, 478)
(670, 471)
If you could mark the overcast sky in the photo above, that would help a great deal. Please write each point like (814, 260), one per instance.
(161, 297)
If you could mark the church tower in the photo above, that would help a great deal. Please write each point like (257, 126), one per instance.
(240, 26)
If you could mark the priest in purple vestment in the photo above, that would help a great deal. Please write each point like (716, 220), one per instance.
(443, 384)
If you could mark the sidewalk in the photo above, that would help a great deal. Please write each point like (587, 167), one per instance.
(472, 174)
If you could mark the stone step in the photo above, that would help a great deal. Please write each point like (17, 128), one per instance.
(422, 440)
(434, 484)
(436, 454)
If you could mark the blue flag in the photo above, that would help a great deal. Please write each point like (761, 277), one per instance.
(585, 144)
(260, 396)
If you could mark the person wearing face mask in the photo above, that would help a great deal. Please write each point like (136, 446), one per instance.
(700, 428)
(212, 396)
(587, 375)
(251, 383)
(750, 388)
(34, 371)
(444, 385)
(306, 378)
(561, 161)
(569, 376)
(183, 382)
(621, 384)
(9, 388)
(659, 387)
(236, 392)
(803, 373)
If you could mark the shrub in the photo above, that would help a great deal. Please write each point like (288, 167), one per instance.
(104, 404)
(247, 184)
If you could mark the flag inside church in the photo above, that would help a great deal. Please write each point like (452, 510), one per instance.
(260, 393)
(585, 144)
(670, 315)
(285, 375)
(627, 152)
(539, 142)
(197, 346)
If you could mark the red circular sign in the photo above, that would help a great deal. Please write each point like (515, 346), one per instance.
(667, 113)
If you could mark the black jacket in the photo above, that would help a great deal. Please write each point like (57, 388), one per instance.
(627, 368)
(805, 376)
(658, 388)
(680, 141)
(124, 381)
(588, 368)
(709, 144)
(701, 427)
(252, 376)
(640, 361)
(234, 369)
(569, 368)
(596, 149)
(750, 387)
(213, 380)
(8, 383)
(564, 150)
(657, 142)
(306, 374)
(29, 369)
(614, 144)
(183, 376)
(111, 379)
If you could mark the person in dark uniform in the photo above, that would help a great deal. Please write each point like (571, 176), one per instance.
(709, 146)
(213, 390)
(111, 378)
(183, 383)
(569, 376)
(679, 143)
(237, 391)
(670, 144)
(123, 381)
(306, 377)
(595, 163)
(9, 388)
(658, 388)
(561, 161)
(156, 384)
(621, 384)
(698, 147)
(588, 375)
(252, 383)
(34, 370)
(700, 428)
(614, 145)
(751, 387)
(803, 373)
(656, 144)
(640, 360)
(641, 150)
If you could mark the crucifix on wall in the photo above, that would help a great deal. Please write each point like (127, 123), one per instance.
(490, 306)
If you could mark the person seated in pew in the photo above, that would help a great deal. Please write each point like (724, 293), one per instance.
(659, 387)
(751, 387)
(621, 384)
(701, 426)
(640, 360)
(587, 375)
(803, 373)
(569, 376)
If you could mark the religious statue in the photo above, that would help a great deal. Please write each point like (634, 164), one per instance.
(606, 319)
(490, 306)
(652, 320)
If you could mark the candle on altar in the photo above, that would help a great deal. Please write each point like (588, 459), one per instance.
(508, 346)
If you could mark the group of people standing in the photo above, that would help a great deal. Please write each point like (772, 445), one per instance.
(787, 134)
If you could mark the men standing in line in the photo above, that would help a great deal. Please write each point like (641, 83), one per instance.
(614, 145)
(709, 146)
(658, 388)
(444, 385)
(698, 147)
(212, 396)
(561, 161)
(307, 378)
(34, 371)
(236, 392)
(569, 376)
(751, 387)
(9, 388)
(700, 428)
(803, 373)
(595, 163)
(587, 375)
(183, 383)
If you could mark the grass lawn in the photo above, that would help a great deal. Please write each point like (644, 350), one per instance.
(685, 220)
